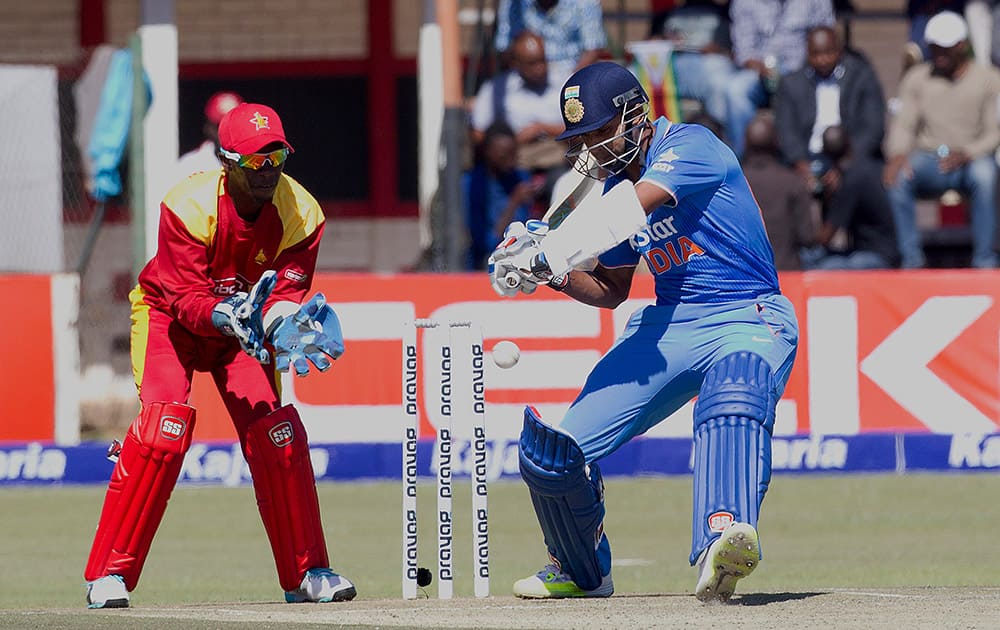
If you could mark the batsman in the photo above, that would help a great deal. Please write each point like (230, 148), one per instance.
(720, 329)
(236, 256)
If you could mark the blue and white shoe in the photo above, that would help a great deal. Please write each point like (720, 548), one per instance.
(321, 586)
(107, 592)
(731, 557)
(552, 583)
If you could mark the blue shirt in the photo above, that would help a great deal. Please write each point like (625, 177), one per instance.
(776, 27)
(712, 246)
(568, 29)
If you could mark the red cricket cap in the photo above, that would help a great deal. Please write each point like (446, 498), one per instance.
(249, 127)
(219, 104)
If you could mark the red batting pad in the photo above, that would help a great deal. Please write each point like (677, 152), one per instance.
(147, 469)
(277, 451)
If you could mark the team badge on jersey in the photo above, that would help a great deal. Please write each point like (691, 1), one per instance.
(260, 258)
(573, 110)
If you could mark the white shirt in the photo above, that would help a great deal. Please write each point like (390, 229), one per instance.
(524, 106)
(827, 111)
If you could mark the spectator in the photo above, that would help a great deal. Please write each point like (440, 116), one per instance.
(784, 201)
(573, 31)
(528, 101)
(857, 207)
(979, 16)
(206, 156)
(944, 137)
(496, 193)
(834, 88)
(920, 12)
(769, 40)
(702, 61)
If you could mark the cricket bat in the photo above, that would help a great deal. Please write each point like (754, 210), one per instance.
(558, 212)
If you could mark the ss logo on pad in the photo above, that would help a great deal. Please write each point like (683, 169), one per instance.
(282, 434)
(172, 428)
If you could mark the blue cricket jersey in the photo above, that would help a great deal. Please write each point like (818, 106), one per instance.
(711, 246)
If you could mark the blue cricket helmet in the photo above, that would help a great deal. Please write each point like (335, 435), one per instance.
(595, 94)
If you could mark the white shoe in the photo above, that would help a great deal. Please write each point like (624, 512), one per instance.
(321, 586)
(734, 555)
(107, 592)
(551, 583)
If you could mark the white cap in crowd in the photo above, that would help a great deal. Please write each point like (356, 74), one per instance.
(946, 29)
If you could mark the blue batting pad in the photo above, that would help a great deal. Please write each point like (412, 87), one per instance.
(733, 419)
(569, 503)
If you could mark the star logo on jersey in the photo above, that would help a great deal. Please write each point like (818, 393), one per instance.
(573, 110)
(664, 162)
(259, 121)
(260, 258)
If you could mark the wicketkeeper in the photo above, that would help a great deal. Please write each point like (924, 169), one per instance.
(223, 294)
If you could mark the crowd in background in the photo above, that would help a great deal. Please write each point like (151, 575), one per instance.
(837, 171)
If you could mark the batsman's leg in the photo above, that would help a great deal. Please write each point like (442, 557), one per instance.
(733, 419)
(569, 503)
(143, 478)
(277, 451)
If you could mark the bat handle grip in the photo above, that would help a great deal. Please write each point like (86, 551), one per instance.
(537, 228)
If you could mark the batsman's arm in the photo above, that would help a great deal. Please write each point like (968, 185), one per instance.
(603, 287)
(652, 196)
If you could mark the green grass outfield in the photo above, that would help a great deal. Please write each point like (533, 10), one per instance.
(848, 532)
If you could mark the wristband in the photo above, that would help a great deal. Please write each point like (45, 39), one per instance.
(559, 283)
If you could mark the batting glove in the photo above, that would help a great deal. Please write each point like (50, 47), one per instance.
(509, 266)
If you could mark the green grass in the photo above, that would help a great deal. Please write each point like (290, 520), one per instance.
(816, 532)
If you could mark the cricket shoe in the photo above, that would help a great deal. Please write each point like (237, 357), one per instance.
(321, 586)
(551, 583)
(107, 592)
(733, 555)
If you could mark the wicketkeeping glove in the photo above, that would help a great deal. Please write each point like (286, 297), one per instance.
(241, 316)
(310, 335)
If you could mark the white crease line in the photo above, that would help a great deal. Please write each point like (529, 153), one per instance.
(631, 562)
(868, 594)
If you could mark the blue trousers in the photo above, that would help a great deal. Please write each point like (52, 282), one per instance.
(977, 180)
(659, 362)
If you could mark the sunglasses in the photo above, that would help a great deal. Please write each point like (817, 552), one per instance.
(254, 161)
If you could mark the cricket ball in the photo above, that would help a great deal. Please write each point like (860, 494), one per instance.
(506, 354)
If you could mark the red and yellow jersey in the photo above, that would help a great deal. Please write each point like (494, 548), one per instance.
(207, 252)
